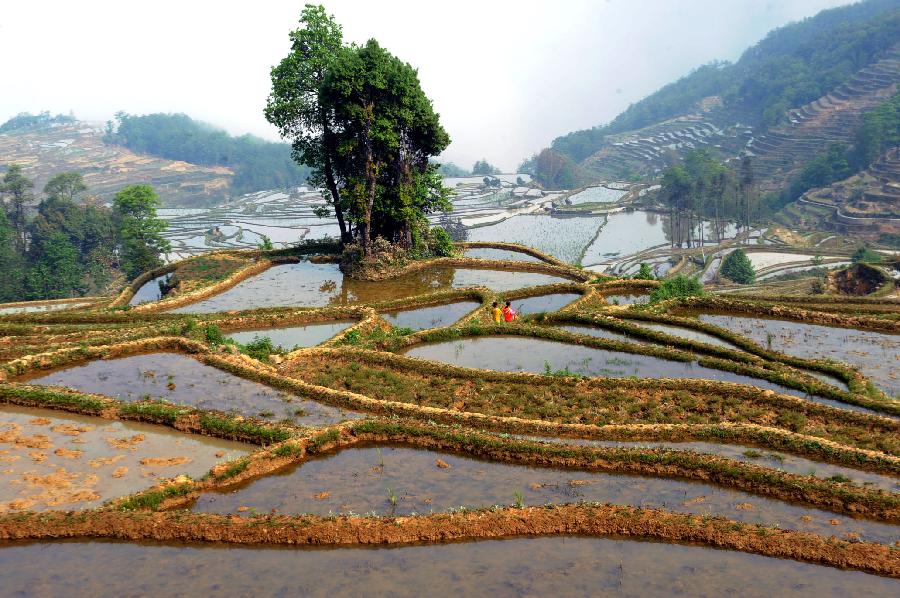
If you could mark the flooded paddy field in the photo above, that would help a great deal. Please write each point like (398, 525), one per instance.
(150, 291)
(688, 333)
(748, 454)
(876, 354)
(563, 238)
(185, 381)
(599, 194)
(318, 285)
(516, 354)
(543, 303)
(489, 253)
(401, 481)
(53, 460)
(627, 298)
(557, 566)
(43, 307)
(430, 317)
(294, 337)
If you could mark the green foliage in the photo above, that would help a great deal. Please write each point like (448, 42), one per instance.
(738, 267)
(357, 116)
(266, 244)
(257, 164)
(441, 243)
(213, 335)
(56, 274)
(11, 264)
(879, 131)
(259, 348)
(483, 167)
(452, 170)
(134, 209)
(645, 272)
(25, 121)
(864, 254)
(553, 170)
(677, 286)
(793, 65)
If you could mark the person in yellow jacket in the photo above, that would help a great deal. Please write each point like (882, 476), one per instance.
(497, 313)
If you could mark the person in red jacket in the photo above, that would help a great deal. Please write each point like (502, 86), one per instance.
(509, 314)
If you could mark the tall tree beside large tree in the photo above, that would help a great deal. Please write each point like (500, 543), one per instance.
(12, 265)
(388, 130)
(16, 190)
(294, 105)
(134, 211)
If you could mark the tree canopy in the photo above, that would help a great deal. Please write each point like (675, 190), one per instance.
(483, 167)
(358, 117)
(737, 267)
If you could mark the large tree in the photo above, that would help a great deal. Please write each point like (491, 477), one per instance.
(358, 116)
(295, 108)
(16, 190)
(134, 211)
(12, 265)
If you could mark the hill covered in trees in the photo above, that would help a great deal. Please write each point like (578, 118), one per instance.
(257, 164)
(792, 66)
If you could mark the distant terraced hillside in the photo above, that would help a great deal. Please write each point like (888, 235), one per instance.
(805, 86)
(79, 147)
(866, 205)
(833, 118)
(778, 151)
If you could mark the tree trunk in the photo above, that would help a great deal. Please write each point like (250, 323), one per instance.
(371, 176)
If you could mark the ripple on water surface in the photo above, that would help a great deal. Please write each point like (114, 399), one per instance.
(318, 285)
(435, 316)
(294, 337)
(557, 566)
(185, 381)
(876, 354)
(517, 354)
(363, 480)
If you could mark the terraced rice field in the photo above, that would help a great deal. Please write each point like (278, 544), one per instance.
(581, 450)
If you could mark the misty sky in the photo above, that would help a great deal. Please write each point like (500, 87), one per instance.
(506, 76)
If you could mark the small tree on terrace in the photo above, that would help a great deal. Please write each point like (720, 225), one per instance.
(738, 267)
(134, 211)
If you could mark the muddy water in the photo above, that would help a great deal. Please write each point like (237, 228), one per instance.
(27, 309)
(603, 333)
(354, 480)
(489, 253)
(877, 355)
(295, 336)
(549, 566)
(150, 291)
(694, 335)
(185, 381)
(319, 285)
(544, 303)
(50, 460)
(516, 354)
(436, 316)
(764, 457)
(627, 299)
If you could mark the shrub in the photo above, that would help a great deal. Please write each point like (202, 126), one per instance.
(864, 254)
(260, 348)
(738, 267)
(265, 244)
(677, 286)
(817, 287)
(441, 243)
(645, 273)
(213, 335)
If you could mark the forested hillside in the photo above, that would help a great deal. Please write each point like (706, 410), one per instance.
(257, 164)
(793, 65)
